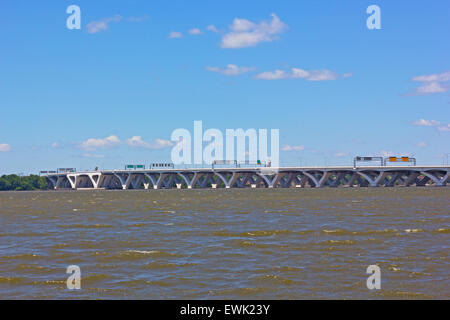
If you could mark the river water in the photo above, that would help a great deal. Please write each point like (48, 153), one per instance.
(226, 244)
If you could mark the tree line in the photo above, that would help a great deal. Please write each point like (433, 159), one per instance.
(17, 183)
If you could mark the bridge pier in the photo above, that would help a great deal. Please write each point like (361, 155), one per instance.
(440, 179)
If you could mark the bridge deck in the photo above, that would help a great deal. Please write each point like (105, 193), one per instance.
(254, 177)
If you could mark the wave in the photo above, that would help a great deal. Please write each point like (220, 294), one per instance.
(86, 226)
(255, 233)
(413, 230)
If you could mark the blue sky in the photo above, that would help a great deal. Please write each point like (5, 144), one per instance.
(312, 69)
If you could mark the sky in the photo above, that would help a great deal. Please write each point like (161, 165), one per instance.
(112, 92)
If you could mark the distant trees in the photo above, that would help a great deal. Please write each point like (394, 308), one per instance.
(15, 182)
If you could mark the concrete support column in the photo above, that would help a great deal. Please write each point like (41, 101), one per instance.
(313, 179)
(124, 180)
(53, 181)
(439, 182)
(228, 183)
(445, 179)
(371, 182)
(152, 181)
(325, 176)
(73, 179)
(270, 182)
(95, 179)
(190, 182)
(391, 182)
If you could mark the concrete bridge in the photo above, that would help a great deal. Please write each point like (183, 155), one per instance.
(283, 177)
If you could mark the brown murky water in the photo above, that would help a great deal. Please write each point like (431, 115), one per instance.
(226, 244)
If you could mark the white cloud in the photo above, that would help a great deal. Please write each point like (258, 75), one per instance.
(96, 26)
(296, 73)
(101, 25)
(442, 77)
(430, 88)
(195, 31)
(319, 75)
(444, 128)
(432, 123)
(136, 141)
(113, 141)
(93, 156)
(299, 73)
(92, 143)
(245, 33)
(161, 144)
(421, 144)
(55, 145)
(230, 70)
(273, 75)
(292, 148)
(322, 75)
(242, 25)
(212, 28)
(426, 123)
(4, 147)
(431, 83)
(175, 34)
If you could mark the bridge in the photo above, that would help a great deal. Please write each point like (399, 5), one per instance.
(252, 177)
